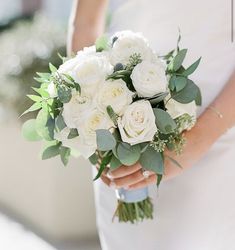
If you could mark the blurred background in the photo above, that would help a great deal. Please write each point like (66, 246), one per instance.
(40, 201)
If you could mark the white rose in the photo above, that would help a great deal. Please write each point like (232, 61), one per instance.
(68, 66)
(75, 111)
(87, 131)
(52, 91)
(176, 109)
(128, 43)
(149, 78)
(138, 123)
(91, 72)
(116, 94)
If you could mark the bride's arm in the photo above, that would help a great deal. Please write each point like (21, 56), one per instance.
(210, 126)
(87, 22)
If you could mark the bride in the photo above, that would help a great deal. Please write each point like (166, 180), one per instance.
(195, 207)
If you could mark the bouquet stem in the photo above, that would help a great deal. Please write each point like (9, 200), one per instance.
(134, 212)
(133, 205)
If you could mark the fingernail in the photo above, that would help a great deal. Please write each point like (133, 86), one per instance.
(112, 184)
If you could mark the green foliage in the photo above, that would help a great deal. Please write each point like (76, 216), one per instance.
(159, 179)
(105, 140)
(29, 131)
(64, 154)
(192, 68)
(73, 133)
(177, 83)
(101, 43)
(152, 160)
(164, 121)
(45, 125)
(133, 61)
(51, 151)
(64, 93)
(104, 162)
(94, 159)
(177, 61)
(113, 116)
(157, 98)
(158, 144)
(52, 68)
(188, 94)
(59, 123)
(115, 163)
(127, 154)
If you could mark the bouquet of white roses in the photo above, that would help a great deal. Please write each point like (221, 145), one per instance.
(117, 103)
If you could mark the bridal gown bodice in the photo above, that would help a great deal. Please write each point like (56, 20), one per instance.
(196, 210)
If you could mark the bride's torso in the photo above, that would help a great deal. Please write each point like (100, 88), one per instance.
(206, 31)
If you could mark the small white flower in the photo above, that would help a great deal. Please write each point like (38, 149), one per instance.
(52, 91)
(128, 43)
(75, 111)
(91, 72)
(149, 78)
(87, 131)
(138, 123)
(116, 94)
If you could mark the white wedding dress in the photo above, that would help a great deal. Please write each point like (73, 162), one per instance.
(196, 210)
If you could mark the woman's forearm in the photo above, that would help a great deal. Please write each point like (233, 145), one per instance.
(87, 22)
(213, 123)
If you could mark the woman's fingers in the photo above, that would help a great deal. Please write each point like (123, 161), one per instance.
(152, 179)
(105, 179)
(129, 180)
(123, 171)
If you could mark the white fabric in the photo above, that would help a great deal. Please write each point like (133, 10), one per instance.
(195, 211)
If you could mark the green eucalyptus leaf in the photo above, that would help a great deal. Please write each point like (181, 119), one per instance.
(52, 68)
(94, 159)
(180, 83)
(159, 179)
(157, 98)
(188, 94)
(127, 154)
(164, 121)
(45, 76)
(45, 125)
(64, 93)
(115, 163)
(104, 162)
(152, 160)
(178, 59)
(64, 154)
(113, 116)
(101, 43)
(41, 92)
(29, 131)
(105, 140)
(51, 151)
(59, 123)
(192, 68)
(73, 133)
(198, 99)
(34, 107)
(35, 98)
